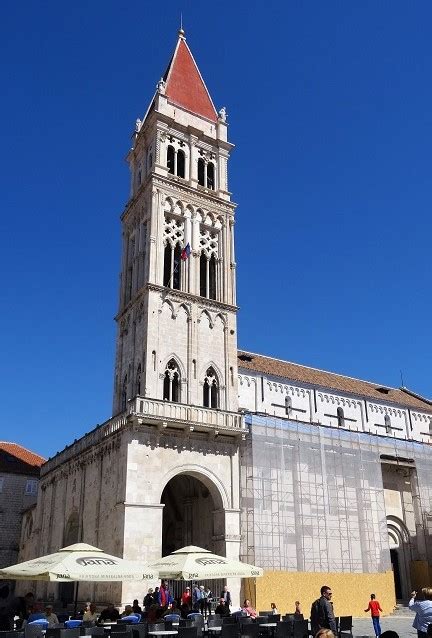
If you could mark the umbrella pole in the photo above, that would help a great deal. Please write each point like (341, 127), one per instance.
(76, 598)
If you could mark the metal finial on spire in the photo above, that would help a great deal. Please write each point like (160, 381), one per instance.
(181, 30)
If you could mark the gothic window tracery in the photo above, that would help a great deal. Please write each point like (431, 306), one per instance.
(171, 384)
(211, 389)
(173, 241)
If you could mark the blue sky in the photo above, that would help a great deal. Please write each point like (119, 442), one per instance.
(329, 106)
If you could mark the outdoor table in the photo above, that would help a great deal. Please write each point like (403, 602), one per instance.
(163, 632)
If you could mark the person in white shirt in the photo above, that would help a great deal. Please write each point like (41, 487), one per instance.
(50, 616)
(422, 605)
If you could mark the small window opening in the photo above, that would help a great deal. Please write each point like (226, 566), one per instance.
(203, 275)
(288, 405)
(387, 423)
(212, 277)
(340, 417)
(201, 171)
(138, 381)
(210, 176)
(181, 164)
(170, 159)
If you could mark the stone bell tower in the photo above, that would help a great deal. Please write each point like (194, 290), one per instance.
(177, 333)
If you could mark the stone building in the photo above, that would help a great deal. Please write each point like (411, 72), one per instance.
(312, 475)
(19, 478)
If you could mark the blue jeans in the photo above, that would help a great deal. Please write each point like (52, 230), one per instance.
(376, 625)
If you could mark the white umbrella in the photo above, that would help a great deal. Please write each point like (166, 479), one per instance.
(79, 562)
(195, 563)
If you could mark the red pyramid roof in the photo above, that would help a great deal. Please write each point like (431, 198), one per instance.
(184, 84)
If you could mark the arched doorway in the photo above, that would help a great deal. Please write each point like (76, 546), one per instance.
(71, 536)
(400, 556)
(189, 515)
(193, 515)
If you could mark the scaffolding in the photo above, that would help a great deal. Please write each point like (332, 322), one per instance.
(313, 499)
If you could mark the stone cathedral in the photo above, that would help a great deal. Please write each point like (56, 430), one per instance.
(316, 477)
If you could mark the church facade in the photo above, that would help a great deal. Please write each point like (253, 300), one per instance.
(313, 476)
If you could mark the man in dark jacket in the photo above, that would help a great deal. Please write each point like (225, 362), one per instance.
(225, 594)
(322, 614)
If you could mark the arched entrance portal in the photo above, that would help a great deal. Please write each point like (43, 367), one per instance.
(71, 536)
(191, 516)
(400, 555)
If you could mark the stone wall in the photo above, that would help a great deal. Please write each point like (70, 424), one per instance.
(13, 502)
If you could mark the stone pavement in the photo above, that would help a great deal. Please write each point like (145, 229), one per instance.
(362, 627)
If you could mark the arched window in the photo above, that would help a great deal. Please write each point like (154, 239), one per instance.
(340, 417)
(212, 277)
(180, 163)
(210, 176)
(288, 405)
(211, 389)
(387, 423)
(208, 276)
(123, 398)
(170, 159)
(201, 172)
(203, 275)
(171, 386)
(172, 266)
(138, 381)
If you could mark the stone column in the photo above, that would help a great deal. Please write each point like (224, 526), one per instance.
(142, 541)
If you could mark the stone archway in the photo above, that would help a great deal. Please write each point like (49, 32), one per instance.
(70, 536)
(190, 515)
(400, 555)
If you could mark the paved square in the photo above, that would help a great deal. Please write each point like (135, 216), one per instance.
(362, 627)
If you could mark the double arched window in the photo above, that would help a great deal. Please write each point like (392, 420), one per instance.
(206, 174)
(171, 385)
(211, 389)
(176, 161)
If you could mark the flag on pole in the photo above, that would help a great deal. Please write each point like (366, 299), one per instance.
(185, 254)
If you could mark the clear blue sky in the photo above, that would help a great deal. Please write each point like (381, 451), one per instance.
(330, 109)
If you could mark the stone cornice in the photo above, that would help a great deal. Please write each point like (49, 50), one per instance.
(203, 302)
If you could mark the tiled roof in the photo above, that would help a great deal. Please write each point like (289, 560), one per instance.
(330, 380)
(184, 84)
(21, 453)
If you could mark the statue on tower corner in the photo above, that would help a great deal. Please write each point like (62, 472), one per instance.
(223, 114)
(160, 86)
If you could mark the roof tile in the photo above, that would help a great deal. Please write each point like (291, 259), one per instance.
(21, 453)
(331, 380)
(185, 86)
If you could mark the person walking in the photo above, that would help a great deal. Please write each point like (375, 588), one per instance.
(374, 607)
(422, 605)
(322, 614)
(226, 595)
